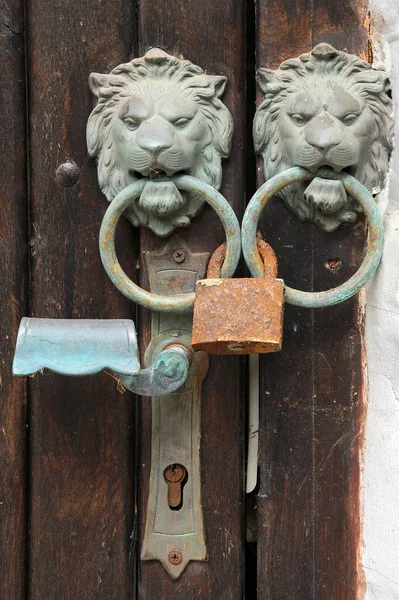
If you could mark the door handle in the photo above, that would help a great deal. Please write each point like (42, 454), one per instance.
(80, 347)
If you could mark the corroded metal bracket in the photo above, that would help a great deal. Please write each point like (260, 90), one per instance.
(158, 115)
(325, 108)
(175, 536)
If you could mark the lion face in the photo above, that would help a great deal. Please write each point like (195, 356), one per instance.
(157, 117)
(331, 109)
(326, 129)
(164, 136)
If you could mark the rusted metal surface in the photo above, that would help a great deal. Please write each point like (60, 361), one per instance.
(239, 316)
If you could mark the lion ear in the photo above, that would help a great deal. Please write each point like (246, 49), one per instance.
(219, 81)
(265, 77)
(97, 83)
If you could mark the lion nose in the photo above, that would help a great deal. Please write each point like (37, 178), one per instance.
(155, 136)
(321, 133)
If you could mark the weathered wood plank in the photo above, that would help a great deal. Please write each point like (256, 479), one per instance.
(311, 398)
(339, 365)
(212, 36)
(82, 432)
(13, 300)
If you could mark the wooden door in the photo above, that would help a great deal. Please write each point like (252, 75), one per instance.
(75, 453)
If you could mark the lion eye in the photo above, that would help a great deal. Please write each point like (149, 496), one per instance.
(180, 123)
(131, 123)
(350, 119)
(298, 119)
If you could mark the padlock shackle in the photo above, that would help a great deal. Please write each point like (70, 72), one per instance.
(375, 235)
(266, 252)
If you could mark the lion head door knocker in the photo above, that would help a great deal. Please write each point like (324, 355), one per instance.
(325, 109)
(156, 117)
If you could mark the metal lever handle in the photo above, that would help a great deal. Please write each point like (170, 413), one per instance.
(167, 373)
(87, 346)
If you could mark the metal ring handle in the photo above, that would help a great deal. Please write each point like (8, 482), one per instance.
(375, 235)
(180, 302)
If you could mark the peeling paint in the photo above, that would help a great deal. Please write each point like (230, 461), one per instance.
(211, 282)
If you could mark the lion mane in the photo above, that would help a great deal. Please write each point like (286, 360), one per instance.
(324, 66)
(153, 74)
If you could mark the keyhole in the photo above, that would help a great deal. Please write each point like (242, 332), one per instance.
(176, 477)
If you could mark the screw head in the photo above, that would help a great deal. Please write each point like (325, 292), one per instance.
(179, 256)
(175, 557)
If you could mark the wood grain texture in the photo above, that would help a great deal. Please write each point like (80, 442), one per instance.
(82, 430)
(13, 300)
(312, 392)
(212, 36)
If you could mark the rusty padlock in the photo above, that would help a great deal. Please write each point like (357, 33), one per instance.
(239, 316)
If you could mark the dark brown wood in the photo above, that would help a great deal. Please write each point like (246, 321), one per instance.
(312, 392)
(13, 300)
(210, 34)
(82, 430)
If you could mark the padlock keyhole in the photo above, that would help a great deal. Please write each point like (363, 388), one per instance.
(176, 477)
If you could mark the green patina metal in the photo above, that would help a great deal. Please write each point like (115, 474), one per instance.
(375, 235)
(159, 114)
(176, 417)
(87, 346)
(180, 302)
(330, 108)
(166, 374)
(76, 346)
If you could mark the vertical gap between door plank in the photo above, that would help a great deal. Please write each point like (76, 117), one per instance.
(13, 301)
(250, 188)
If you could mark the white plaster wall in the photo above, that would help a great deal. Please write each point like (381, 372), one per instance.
(381, 461)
